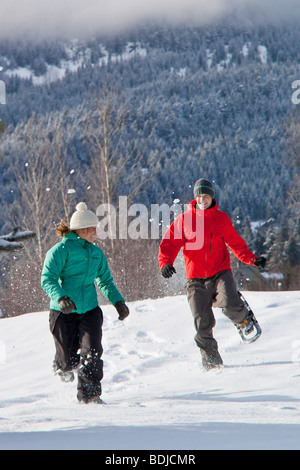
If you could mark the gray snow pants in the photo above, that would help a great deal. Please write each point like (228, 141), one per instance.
(216, 291)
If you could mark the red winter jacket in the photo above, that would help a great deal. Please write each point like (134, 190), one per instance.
(204, 236)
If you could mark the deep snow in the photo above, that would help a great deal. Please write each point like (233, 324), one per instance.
(158, 396)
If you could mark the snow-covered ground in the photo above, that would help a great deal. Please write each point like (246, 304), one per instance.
(158, 396)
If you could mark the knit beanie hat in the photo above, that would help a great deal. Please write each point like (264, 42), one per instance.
(83, 218)
(203, 186)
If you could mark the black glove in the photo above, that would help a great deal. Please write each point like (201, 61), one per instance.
(67, 305)
(168, 271)
(260, 261)
(122, 310)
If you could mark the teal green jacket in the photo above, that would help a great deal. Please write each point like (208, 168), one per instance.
(71, 268)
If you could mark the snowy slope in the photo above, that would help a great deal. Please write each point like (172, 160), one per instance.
(157, 394)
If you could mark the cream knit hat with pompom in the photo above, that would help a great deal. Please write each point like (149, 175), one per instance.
(83, 218)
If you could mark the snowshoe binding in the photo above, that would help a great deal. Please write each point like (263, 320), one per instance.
(250, 329)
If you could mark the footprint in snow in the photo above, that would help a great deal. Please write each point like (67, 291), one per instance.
(144, 308)
(143, 336)
(122, 376)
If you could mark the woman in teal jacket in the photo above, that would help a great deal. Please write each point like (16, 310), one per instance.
(70, 270)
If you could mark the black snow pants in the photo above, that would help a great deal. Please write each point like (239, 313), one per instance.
(77, 339)
(216, 291)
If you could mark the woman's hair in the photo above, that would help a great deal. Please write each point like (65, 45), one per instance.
(62, 228)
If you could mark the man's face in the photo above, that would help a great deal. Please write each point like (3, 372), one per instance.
(204, 201)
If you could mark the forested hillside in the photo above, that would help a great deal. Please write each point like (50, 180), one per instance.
(213, 101)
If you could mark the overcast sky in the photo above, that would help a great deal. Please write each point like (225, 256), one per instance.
(71, 18)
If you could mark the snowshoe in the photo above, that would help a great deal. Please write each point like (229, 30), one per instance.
(250, 329)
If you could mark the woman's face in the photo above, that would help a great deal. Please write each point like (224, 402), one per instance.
(89, 234)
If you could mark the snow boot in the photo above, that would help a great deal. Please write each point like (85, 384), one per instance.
(211, 359)
(96, 400)
(65, 376)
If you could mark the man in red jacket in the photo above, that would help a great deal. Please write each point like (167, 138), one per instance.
(203, 233)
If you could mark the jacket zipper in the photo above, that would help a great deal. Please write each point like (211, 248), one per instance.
(86, 247)
(205, 255)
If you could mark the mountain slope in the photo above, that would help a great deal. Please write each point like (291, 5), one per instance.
(215, 100)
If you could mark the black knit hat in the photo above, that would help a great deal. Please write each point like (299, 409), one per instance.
(203, 186)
